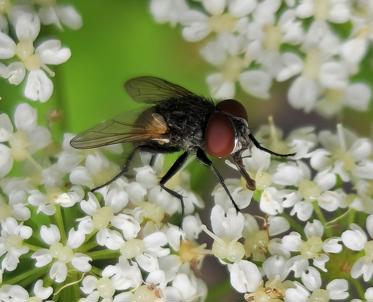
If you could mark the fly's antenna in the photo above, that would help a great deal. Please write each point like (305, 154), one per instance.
(259, 146)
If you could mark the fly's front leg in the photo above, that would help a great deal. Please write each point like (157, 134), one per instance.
(123, 171)
(178, 164)
(202, 157)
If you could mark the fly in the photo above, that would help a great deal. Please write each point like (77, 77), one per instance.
(174, 120)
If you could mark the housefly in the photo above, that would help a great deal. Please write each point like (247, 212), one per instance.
(176, 119)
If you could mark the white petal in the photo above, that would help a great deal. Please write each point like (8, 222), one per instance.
(339, 12)
(38, 86)
(81, 262)
(354, 50)
(16, 72)
(338, 289)
(358, 96)
(333, 75)
(275, 267)
(332, 245)
(6, 160)
(241, 8)
(27, 26)
(42, 257)
(7, 46)
(50, 234)
(256, 83)
(214, 7)
(292, 242)
(25, 117)
(314, 229)
(196, 27)
(58, 272)
(51, 52)
(41, 291)
(219, 87)
(69, 16)
(355, 240)
(75, 238)
(292, 65)
(303, 94)
(369, 225)
(271, 201)
(311, 279)
(227, 225)
(288, 175)
(277, 225)
(245, 276)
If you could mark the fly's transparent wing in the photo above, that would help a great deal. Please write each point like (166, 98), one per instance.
(154, 90)
(131, 126)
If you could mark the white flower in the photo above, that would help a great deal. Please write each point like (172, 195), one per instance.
(314, 248)
(22, 143)
(11, 243)
(197, 25)
(344, 155)
(168, 10)
(227, 230)
(34, 60)
(336, 11)
(46, 202)
(59, 14)
(61, 255)
(101, 218)
(18, 293)
(335, 290)
(245, 276)
(96, 171)
(357, 240)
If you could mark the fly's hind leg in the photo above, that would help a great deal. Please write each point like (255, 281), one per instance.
(178, 164)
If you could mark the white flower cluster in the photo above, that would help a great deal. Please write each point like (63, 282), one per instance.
(319, 45)
(25, 54)
(314, 223)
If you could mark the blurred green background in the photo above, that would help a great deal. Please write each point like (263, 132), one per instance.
(120, 40)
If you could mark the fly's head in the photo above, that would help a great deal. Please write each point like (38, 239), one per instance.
(227, 131)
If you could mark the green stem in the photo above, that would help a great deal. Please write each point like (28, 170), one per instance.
(87, 246)
(59, 221)
(331, 222)
(351, 216)
(30, 275)
(321, 217)
(96, 271)
(359, 288)
(103, 254)
(293, 223)
(32, 247)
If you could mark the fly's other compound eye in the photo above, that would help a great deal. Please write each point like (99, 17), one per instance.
(233, 108)
(219, 135)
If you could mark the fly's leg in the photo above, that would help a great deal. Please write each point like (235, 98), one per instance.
(178, 164)
(202, 157)
(250, 183)
(259, 146)
(153, 159)
(123, 171)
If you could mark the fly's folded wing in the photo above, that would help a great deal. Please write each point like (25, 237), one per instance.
(153, 90)
(131, 126)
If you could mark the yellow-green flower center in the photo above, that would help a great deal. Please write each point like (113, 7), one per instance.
(105, 288)
(132, 248)
(311, 248)
(102, 217)
(222, 23)
(62, 253)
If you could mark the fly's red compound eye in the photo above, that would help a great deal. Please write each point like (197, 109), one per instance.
(232, 107)
(219, 135)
